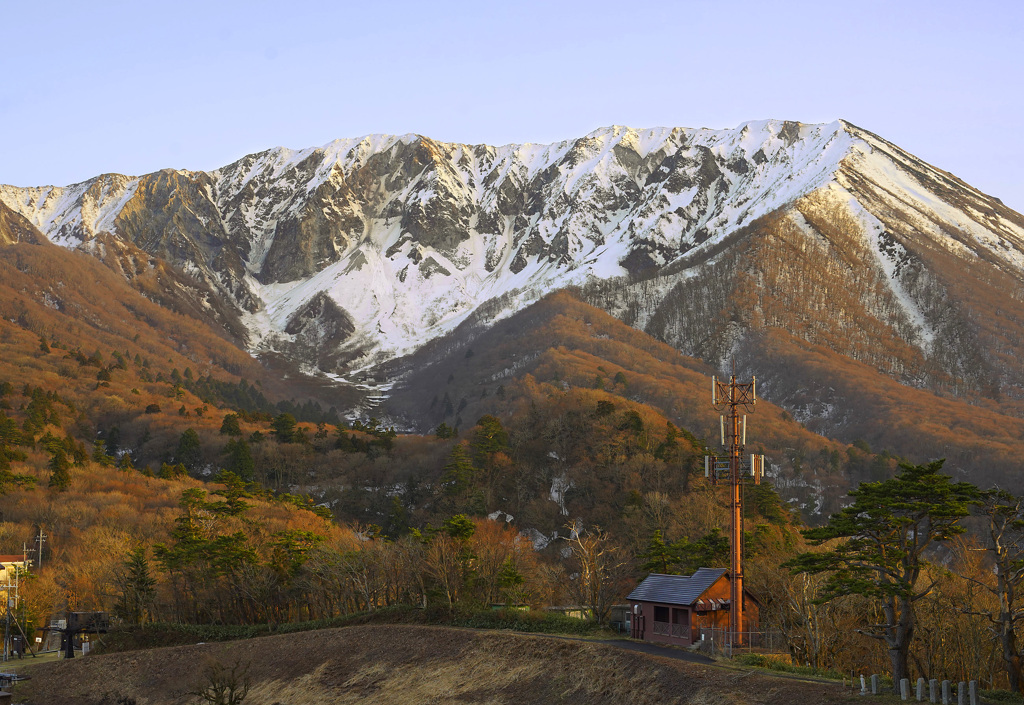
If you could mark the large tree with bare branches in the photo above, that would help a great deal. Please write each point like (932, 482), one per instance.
(598, 569)
(1005, 544)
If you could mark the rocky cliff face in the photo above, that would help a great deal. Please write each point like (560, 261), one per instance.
(354, 253)
(14, 227)
(893, 263)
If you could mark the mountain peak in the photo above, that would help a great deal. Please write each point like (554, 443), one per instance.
(406, 236)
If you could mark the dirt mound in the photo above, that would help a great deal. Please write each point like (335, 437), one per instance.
(405, 664)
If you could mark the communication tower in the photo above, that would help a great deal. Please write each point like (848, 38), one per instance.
(729, 398)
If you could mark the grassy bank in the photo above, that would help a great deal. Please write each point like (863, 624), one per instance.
(132, 638)
(777, 664)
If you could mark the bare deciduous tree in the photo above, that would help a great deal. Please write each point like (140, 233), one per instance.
(600, 569)
(1006, 546)
(224, 685)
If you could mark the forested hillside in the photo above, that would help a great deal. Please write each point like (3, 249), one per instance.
(155, 469)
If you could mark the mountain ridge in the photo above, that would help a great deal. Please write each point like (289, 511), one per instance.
(349, 255)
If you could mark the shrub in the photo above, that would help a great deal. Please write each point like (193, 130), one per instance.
(775, 663)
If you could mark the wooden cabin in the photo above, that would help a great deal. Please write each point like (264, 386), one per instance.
(673, 609)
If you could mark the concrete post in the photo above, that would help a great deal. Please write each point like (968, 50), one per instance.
(933, 690)
(945, 693)
(874, 684)
(905, 688)
(920, 689)
(973, 691)
(961, 693)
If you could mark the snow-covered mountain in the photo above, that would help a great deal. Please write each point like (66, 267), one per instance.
(355, 253)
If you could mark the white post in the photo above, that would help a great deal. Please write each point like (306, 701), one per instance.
(961, 693)
(905, 688)
(920, 689)
(874, 684)
(933, 690)
(945, 693)
(973, 692)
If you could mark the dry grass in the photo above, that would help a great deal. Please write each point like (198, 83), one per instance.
(404, 664)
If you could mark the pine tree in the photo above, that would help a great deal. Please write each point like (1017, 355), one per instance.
(458, 472)
(490, 436)
(9, 436)
(510, 580)
(113, 440)
(659, 556)
(283, 428)
(669, 449)
(60, 466)
(189, 452)
(235, 490)
(99, 454)
(136, 588)
(239, 461)
(230, 427)
(884, 535)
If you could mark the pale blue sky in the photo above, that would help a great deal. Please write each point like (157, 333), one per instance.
(132, 87)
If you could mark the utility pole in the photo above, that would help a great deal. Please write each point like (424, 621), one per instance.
(728, 398)
(7, 616)
(10, 589)
(40, 540)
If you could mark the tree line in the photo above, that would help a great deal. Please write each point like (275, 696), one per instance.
(605, 491)
(930, 605)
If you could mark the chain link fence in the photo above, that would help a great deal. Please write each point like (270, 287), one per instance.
(721, 642)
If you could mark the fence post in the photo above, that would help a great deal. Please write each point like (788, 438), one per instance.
(874, 684)
(945, 693)
(905, 688)
(973, 691)
(961, 693)
(933, 690)
(920, 689)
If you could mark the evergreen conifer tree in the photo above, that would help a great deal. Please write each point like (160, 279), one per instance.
(883, 537)
(60, 475)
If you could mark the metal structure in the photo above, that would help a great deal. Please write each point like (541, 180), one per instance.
(10, 575)
(40, 539)
(729, 398)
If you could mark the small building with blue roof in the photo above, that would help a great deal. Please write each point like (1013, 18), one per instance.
(674, 609)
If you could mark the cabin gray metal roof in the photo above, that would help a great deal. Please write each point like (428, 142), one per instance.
(675, 589)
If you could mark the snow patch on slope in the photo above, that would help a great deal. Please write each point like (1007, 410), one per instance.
(957, 227)
(528, 218)
(874, 230)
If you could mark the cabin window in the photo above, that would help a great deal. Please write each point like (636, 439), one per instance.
(660, 614)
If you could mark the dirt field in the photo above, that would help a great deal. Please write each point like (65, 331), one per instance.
(408, 664)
